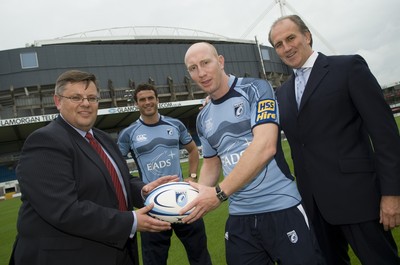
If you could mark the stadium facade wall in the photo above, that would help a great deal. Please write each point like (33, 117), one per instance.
(123, 62)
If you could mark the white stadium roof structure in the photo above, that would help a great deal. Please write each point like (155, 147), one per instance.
(138, 34)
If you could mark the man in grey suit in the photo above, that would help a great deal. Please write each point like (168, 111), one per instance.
(70, 212)
(345, 147)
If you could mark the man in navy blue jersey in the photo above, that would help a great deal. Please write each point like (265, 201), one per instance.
(154, 141)
(239, 132)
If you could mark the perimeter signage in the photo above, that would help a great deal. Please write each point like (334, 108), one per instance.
(100, 112)
(27, 120)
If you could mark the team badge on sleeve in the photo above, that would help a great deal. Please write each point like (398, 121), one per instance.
(266, 111)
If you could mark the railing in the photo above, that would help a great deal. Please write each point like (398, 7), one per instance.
(38, 100)
(28, 101)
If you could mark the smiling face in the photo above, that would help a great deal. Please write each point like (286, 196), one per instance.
(81, 115)
(147, 102)
(292, 46)
(206, 68)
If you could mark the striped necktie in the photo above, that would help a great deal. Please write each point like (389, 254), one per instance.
(114, 176)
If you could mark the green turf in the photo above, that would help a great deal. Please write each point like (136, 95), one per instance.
(214, 221)
(8, 217)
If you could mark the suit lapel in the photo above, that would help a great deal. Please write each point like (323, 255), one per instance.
(87, 150)
(118, 162)
(97, 161)
(318, 72)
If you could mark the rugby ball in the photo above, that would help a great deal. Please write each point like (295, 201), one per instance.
(169, 199)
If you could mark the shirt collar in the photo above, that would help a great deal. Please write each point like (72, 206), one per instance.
(309, 63)
(311, 60)
(83, 133)
(231, 80)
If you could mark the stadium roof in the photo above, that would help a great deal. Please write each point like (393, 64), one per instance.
(138, 34)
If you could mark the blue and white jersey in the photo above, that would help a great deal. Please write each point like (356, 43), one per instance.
(225, 130)
(155, 147)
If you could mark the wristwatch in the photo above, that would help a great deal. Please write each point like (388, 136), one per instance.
(220, 194)
(193, 175)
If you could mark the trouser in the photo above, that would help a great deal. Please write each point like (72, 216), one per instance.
(155, 246)
(369, 241)
(284, 237)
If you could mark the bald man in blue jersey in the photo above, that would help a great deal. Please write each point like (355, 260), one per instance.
(239, 133)
(154, 141)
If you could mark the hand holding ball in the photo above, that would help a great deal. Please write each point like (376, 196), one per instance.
(169, 199)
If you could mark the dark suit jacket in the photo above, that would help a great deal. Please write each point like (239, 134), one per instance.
(69, 212)
(342, 111)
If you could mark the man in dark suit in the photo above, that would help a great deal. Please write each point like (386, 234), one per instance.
(345, 147)
(70, 212)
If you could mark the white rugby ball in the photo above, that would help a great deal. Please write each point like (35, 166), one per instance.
(169, 199)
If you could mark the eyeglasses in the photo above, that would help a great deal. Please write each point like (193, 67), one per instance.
(79, 99)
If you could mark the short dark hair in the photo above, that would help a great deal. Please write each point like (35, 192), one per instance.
(144, 86)
(296, 20)
(74, 76)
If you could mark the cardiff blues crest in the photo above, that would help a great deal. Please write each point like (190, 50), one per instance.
(292, 235)
(238, 109)
(181, 198)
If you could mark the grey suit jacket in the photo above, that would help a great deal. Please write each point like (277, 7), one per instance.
(344, 140)
(69, 212)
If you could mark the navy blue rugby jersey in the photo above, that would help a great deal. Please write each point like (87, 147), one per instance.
(225, 128)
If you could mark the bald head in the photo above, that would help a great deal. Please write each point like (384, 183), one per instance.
(206, 68)
(203, 47)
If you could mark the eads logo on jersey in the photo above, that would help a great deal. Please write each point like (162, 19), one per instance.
(266, 111)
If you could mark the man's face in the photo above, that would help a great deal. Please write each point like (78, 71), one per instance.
(206, 68)
(292, 46)
(147, 103)
(82, 114)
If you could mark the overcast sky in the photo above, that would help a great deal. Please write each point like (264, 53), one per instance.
(370, 28)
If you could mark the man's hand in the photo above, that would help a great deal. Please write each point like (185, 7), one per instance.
(390, 212)
(154, 184)
(205, 202)
(146, 223)
(205, 102)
